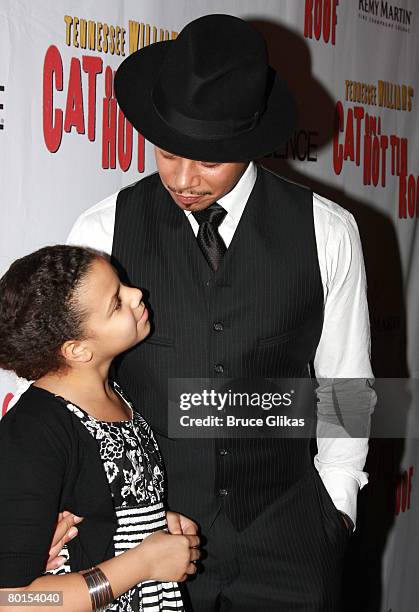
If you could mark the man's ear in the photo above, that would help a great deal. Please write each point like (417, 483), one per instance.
(76, 351)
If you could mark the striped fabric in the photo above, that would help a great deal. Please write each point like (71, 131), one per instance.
(135, 524)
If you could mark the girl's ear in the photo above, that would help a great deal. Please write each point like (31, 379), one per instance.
(76, 351)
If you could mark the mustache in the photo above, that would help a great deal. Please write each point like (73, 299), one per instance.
(188, 192)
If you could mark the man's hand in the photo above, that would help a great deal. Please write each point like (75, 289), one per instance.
(64, 532)
(180, 525)
(348, 522)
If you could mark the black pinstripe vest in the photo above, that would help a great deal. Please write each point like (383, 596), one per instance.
(267, 300)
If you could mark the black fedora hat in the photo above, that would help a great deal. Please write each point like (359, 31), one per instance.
(209, 94)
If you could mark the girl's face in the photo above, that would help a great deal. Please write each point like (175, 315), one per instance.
(116, 315)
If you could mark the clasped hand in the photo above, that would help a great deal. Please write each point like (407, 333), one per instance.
(66, 530)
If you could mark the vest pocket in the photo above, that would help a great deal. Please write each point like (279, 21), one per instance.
(278, 339)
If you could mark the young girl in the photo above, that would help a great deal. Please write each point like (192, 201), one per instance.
(74, 442)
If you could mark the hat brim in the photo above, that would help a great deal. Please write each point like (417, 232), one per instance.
(134, 82)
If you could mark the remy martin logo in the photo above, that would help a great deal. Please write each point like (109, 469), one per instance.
(382, 12)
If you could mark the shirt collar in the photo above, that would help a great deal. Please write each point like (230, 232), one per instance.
(235, 200)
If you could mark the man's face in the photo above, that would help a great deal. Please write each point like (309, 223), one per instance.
(195, 185)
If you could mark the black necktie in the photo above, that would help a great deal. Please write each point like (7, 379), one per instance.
(209, 240)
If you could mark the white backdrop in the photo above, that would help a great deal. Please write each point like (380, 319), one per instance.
(353, 65)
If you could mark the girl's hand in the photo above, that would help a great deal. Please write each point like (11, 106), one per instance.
(64, 532)
(179, 524)
(169, 558)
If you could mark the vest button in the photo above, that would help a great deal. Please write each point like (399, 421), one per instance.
(208, 283)
(218, 326)
(219, 368)
(223, 451)
(222, 492)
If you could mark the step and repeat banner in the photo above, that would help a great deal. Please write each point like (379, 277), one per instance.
(352, 64)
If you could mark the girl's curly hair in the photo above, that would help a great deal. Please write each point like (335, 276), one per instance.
(38, 312)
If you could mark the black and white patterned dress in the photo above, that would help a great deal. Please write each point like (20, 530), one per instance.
(134, 470)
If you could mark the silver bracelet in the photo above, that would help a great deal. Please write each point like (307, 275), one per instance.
(100, 590)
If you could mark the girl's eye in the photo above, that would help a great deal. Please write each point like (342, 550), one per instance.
(118, 303)
(209, 165)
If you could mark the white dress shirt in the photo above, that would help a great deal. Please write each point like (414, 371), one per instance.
(344, 348)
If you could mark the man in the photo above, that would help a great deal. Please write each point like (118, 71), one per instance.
(249, 276)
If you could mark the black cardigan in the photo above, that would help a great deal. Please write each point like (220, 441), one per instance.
(49, 463)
